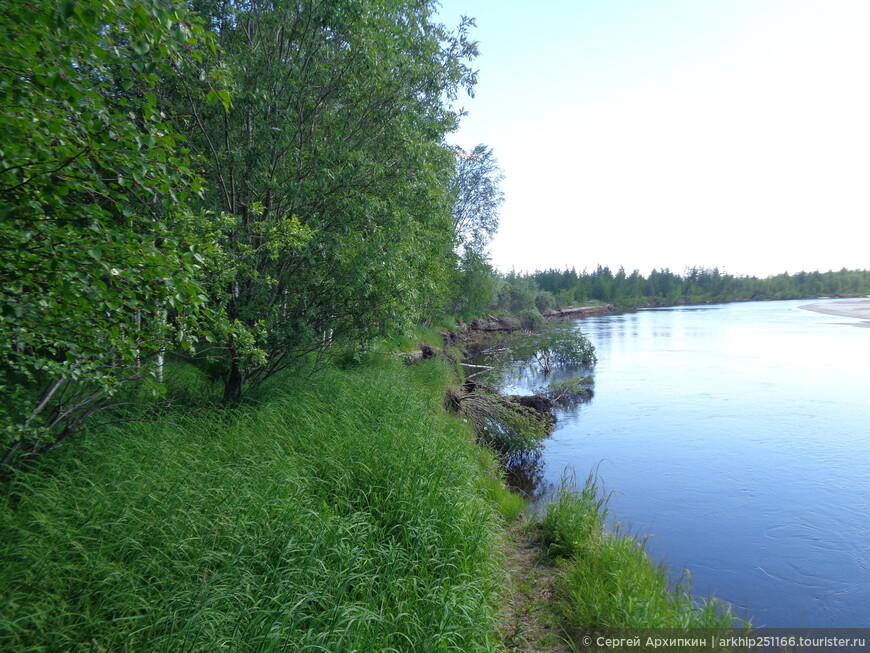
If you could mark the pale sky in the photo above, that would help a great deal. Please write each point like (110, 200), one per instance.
(674, 133)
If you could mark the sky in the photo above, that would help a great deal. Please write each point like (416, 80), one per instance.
(675, 133)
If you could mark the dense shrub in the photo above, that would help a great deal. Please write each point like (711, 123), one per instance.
(545, 301)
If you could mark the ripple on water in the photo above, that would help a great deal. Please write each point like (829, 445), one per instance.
(744, 456)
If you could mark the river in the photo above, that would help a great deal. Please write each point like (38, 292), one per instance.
(736, 437)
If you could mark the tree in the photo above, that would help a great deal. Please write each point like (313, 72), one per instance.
(602, 284)
(96, 278)
(545, 301)
(558, 346)
(475, 285)
(326, 170)
(476, 189)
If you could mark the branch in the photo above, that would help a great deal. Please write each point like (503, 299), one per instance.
(46, 398)
(210, 146)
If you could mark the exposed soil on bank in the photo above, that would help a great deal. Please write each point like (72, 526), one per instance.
(483, 332)
(514, 322)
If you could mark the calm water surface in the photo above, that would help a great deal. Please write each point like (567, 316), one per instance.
(737, 437)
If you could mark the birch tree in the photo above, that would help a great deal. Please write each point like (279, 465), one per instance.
(91, 175)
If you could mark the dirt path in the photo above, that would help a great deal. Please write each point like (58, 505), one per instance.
(529, 624)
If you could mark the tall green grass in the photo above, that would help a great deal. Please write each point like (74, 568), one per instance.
(608, 581)
(338, 513)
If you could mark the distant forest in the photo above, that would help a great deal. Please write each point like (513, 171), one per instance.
(549, 289)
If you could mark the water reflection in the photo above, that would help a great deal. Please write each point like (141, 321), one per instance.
(525, 470)
(524, 473)
(568, 406)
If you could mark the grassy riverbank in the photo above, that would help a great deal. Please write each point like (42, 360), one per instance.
(343, 512)
(347, 511)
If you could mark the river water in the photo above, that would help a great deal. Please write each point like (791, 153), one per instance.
(737, 438)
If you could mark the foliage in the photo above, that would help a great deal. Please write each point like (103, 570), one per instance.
(96, 279)
(477, 196)
(326, 157)
(509, 504)
(339, 513)
(531, 319)
(573, 519)
(569, 391)
(325, 218)
(694, 286)
(567, 347)
(555, 346)
(517, 295)
(504, 425)
(474, 286)
(545, 301)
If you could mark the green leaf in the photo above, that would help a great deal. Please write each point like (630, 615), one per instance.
(89, 17)
(224, 96)
(67, 8)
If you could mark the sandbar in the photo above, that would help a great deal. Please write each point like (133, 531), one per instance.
(857, 308)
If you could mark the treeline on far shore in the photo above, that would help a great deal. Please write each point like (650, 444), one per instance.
(549, 289)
